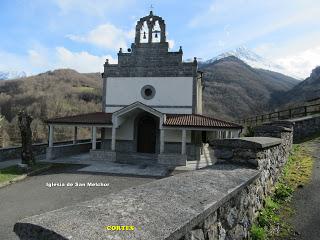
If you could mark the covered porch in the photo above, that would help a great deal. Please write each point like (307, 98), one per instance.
(139, 134)
(94, 121)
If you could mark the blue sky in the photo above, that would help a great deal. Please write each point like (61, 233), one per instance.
(39, 35)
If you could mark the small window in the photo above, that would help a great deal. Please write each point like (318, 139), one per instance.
(148, 92)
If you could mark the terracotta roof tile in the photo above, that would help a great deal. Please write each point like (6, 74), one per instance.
(88, 118)
(194, 120)
(172, 120)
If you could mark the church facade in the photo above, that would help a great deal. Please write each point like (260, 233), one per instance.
(151, 106)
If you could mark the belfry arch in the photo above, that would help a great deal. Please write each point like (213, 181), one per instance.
(156, 29)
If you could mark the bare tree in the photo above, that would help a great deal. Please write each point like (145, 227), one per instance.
(27, 156)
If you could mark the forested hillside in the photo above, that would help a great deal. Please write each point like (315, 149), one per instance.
(50, 94)
(234, 90)
(306, 91)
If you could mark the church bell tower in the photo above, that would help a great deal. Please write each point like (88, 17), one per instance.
(151, 74)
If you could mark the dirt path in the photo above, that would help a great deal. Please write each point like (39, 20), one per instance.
(306, 200)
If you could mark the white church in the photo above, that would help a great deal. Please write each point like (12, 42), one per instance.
(151, 106)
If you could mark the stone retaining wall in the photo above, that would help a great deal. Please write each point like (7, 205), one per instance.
(11, 153)
(219, 202)
(305, 127)
(68, 150)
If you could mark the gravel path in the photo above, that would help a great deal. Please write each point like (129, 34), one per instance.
(307, 200)
(31, 196)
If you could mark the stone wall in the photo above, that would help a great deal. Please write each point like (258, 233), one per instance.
(219, 202)
(39, 150)
(68, 150)
(305, 127)
(150, 60)
(12, 153)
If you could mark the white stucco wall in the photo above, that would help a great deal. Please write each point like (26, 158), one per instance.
(161, 109)
(124, 132)
(175, 136)
(170, 91)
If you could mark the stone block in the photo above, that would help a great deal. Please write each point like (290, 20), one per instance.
(210, 221)
(196, 234)
(246, 142)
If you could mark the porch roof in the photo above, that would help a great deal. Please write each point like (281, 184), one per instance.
(87, 118)
(171, 120)
(195, 120)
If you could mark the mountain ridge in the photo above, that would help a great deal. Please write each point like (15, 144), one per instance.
(254, 60)
(234, 89)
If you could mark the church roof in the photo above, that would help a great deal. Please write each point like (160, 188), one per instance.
(87, 118)
(195, 120)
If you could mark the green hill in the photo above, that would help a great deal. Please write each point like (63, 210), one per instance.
(50, 94)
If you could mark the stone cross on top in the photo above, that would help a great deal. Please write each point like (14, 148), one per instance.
(152, 23)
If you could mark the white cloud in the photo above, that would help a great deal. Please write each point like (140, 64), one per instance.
(91, 7)
(36, 61)
(80, 61)
(13, 62)
(36, 58)
(301, 63)
(106, 36)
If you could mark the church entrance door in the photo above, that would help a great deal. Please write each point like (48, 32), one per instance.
(146, 135)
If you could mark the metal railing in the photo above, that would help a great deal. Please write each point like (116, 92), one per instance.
(290, 113)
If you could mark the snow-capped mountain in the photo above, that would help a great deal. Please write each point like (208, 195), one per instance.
(252, 59)
(11, 75)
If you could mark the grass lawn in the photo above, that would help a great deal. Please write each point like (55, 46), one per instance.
(9, 173)
(272, 220)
